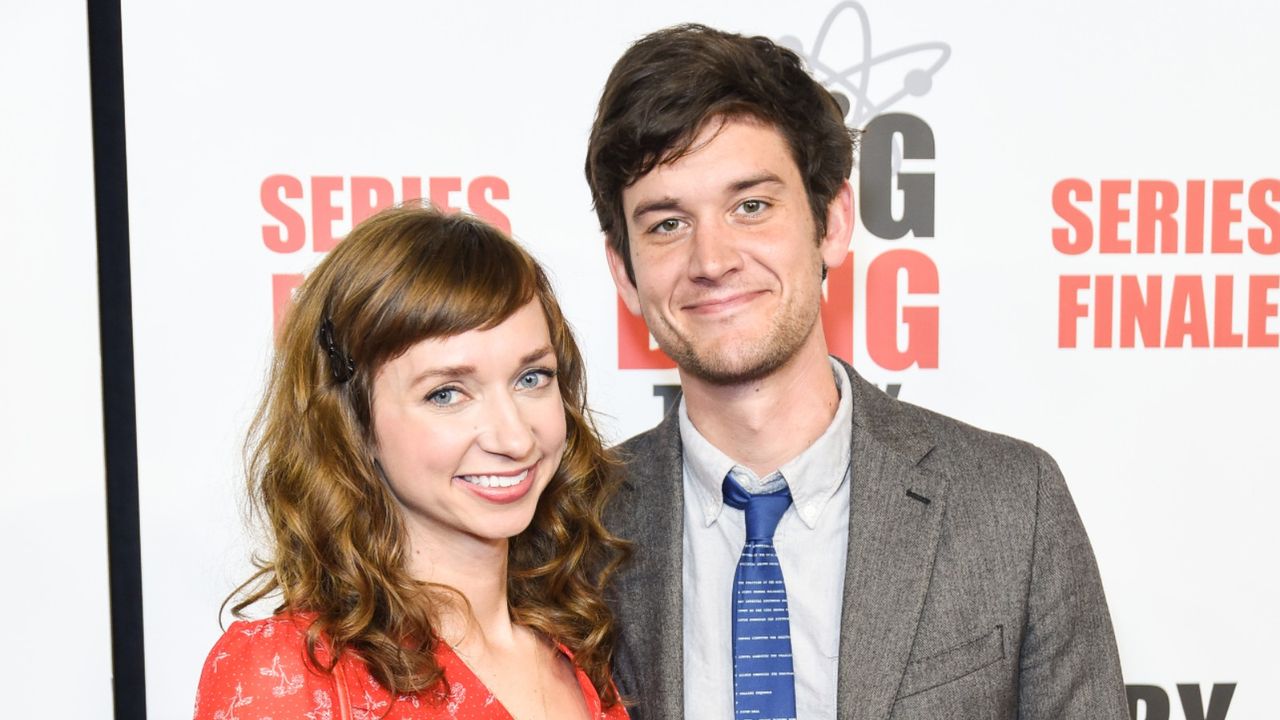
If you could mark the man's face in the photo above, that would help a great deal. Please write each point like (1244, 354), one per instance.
(728, 265)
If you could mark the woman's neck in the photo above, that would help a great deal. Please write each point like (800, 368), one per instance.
(477, 570)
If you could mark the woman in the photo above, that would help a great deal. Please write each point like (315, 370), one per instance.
(432, 486)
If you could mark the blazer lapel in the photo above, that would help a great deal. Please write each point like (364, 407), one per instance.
(896, 510)
(650, 591)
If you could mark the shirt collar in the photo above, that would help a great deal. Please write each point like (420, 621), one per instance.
(813, 476)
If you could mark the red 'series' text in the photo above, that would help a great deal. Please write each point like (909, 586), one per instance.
(311, 209)
(318, 211)
(1162, 218)
(1159, 216)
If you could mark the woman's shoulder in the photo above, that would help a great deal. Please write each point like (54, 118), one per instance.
(262, 666)
(253, 642)
(277, 628)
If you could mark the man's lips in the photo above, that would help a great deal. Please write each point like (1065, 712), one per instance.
(725, 303)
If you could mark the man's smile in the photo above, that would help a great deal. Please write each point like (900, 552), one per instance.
(723, 303)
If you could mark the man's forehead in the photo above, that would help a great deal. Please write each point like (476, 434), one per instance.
(723, 158)
(710, 128)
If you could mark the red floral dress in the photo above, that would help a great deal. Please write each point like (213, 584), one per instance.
(258, 671)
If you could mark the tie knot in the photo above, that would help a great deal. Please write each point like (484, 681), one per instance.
(763, 511)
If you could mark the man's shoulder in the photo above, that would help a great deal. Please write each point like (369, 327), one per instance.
(656, 438)
(959, 436)
(941, 442)
(654, 450)
(925, 437)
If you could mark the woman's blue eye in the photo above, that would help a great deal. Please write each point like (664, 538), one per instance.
(443, 396)
(535, 379)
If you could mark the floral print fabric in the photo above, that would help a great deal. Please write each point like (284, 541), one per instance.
(258, 671)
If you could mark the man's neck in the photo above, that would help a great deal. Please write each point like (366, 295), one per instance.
(764, 423)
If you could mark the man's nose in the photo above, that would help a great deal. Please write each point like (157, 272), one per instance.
(713, 253)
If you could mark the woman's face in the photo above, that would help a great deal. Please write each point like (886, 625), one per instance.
(470, 429)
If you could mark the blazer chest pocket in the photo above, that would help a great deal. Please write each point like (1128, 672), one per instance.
(953, 664)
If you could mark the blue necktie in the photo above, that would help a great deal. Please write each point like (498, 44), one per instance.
(764, 685)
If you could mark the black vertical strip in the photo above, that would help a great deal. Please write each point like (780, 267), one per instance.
(115, 325)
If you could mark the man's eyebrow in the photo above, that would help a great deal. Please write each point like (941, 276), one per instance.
(669, 203)
(758, 179)
(661, 205)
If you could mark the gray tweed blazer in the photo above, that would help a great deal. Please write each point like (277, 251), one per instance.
(970, 591)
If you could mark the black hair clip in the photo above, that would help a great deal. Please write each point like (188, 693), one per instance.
(340, 364)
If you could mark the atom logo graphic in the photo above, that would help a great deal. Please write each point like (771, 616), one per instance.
(847, 74)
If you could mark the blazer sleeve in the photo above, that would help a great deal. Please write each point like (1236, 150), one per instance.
(1069, 664)
(258, 669)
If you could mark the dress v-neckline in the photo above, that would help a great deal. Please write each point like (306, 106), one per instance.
(457, 662)
(460, 665)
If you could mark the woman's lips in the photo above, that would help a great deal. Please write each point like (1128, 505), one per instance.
(499, 487)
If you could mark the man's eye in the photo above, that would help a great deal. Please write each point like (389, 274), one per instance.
(669, 225)
(751, 207)
(535, 379)
(443, 397)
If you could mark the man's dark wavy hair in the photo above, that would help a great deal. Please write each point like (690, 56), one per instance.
(669, 84)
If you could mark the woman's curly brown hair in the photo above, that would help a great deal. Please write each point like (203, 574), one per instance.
(337, 543)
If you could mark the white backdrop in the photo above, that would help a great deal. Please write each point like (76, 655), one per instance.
(1171, 453)
(56, 660)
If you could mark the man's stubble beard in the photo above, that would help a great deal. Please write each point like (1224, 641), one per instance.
(712, 365)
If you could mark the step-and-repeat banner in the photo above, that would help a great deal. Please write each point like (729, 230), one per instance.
(1069, 232)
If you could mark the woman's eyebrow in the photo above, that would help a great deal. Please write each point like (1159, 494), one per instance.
(455, 371)
(538, 354)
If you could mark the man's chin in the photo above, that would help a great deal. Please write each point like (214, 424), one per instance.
(729, 369)
(725, 358)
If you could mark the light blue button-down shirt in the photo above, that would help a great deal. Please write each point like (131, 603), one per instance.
(812, 541)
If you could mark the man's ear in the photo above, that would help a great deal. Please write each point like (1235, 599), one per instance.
(626, 288)
(834, 245)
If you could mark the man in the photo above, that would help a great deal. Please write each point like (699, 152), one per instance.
(920, 568)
